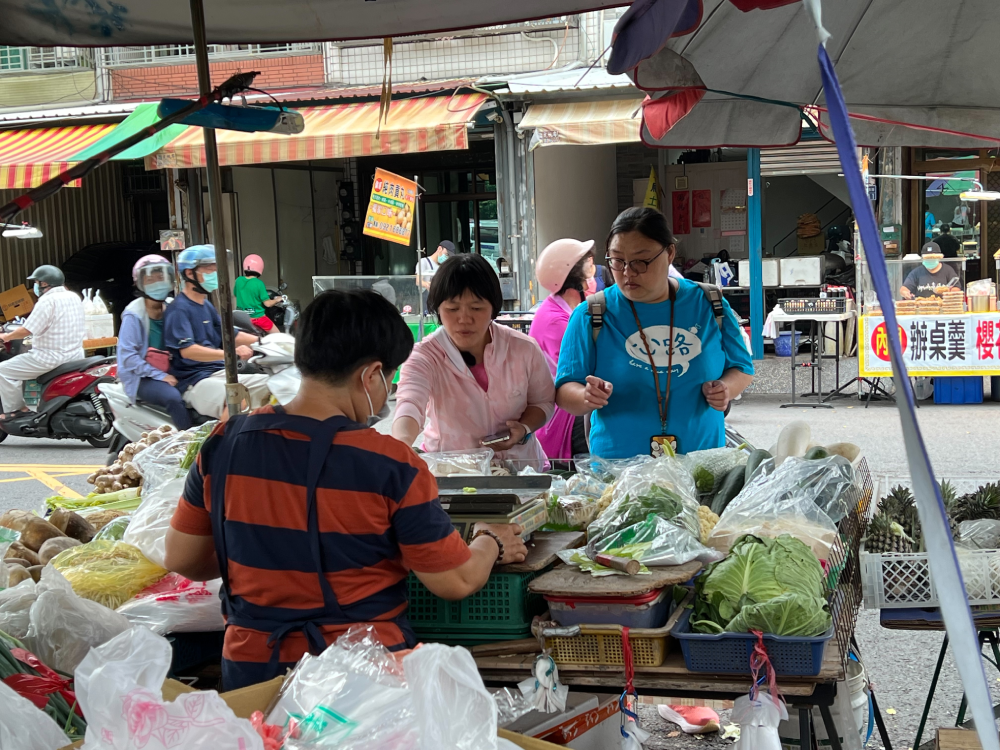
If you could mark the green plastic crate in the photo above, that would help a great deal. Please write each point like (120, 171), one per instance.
(32, 393)
(501, 610)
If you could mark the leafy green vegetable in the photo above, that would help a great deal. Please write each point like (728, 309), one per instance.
(658, 500)
(709, 467)
(757, 571)
(200, 435)
(788, 614)
(113, 530)
(92, 500)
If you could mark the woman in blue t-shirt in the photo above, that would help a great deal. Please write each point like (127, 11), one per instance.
(635, 408)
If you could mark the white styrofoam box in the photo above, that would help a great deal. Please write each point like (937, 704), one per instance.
(806, 271)
(770, 272)
(100, 326)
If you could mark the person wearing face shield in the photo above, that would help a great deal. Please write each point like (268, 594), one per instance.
(192, 334)
(143, 362)
(311, 518)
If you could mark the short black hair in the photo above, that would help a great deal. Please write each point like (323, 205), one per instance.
(945, 229)
(468, 271)
(576, 278)
(646, 221)
(343, 330)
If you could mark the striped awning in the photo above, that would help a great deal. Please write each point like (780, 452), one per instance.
(30, 157)
(431, 123)
(584, 123)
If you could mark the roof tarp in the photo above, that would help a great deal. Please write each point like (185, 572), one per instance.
(112, 23)
(31, 156)
(584, 123)
(142, 117)
(419, 124)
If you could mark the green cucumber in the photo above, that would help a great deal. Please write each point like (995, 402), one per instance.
(818, 452)
(730, 488)
(757, 458)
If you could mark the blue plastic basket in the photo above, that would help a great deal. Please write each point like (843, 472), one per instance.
(958, 390)
(729, 653)
(783, 346)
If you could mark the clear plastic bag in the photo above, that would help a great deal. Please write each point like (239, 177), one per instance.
(171, 456)
(454, 710)
(661, 486)
(64, 627)
(709, 467)
(109, 573)
(456, 463)
(177, 605)
(788, 502)
(571, 512)
(15, 608)
(147, 529)
(23, 726)
(119, 689)
(759, 720)
(606, 470)
(113, 530)
(980, 534)
(357, 681)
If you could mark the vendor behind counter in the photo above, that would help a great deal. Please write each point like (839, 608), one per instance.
(930, 276)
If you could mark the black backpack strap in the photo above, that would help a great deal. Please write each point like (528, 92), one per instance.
(596, 307)
(714, 295)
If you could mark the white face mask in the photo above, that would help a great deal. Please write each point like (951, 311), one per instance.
(373, 418)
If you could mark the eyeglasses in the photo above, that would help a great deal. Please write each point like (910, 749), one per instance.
(637, 266)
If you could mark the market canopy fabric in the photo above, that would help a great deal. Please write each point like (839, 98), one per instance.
(584, 123)
(30, 157)
(106, 23)
(416, 125)
(142, 117)
(918, 62)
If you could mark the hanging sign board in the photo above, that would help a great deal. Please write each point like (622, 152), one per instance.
(390, 210)
(967, 344)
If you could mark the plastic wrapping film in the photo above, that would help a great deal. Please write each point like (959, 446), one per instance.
(109, 573)
(758, 719)
(662, 486)
(24, 727)
(794, 499)
(457, 463)
(15, 607)
(983, 533)
(171, 456)
(709, 467)
(571, 512)
(177, 605)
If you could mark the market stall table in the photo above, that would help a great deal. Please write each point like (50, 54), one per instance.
(817, 323)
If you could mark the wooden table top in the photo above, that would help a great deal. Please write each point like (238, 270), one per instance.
(542, 550)
(571, 581)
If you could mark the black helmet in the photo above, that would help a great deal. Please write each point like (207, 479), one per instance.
(48, 275)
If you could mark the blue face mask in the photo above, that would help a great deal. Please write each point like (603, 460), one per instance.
(158, 290)
(37, 289)
(211, 281)
(930, 265)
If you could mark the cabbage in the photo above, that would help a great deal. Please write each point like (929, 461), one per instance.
(759, 571)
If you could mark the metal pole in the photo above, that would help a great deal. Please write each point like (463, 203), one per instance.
(420, 274)
(233, 398)
(754, 222)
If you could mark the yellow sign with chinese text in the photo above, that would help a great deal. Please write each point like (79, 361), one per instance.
(390, 209)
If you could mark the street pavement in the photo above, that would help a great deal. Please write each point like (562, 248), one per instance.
(964, 445)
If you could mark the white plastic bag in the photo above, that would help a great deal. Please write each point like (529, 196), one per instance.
(170, 456)
(148, 526)
(457, 463)
(119, 689)
(758, 720)
(177, 605)
(454, 710)
(23, 726)
(64, 627)
(15, 608)
(100, 308)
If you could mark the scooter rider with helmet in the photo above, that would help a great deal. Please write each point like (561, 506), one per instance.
(143, 361)
(192, 333)
(251, 294)
(57, 329)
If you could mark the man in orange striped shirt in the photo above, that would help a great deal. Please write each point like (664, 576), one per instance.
(312, 519)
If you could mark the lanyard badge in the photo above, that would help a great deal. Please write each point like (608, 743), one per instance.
(663, 444)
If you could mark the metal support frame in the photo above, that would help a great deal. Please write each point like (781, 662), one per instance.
(754, 224)
(233, 397)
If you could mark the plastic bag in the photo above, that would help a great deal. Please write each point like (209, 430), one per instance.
(147, 529)
(177, 605)
(571, 512)
(23, 726)
(113, 530)
(109, 573)
(119, 689)
(980, 534)
(454, 710)
(15, 606)
(171, 456)
(606, 470)
(357, 681)
(709, 467)
(662, 486)
(758, 720)
(456, 463)
(785, 502)
(64, 627)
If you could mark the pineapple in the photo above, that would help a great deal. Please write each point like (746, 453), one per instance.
(886, 535)
(983, 503)
(895, 503)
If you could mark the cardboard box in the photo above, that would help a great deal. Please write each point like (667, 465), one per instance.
(16, 302)
(811, 245)
(243, 701)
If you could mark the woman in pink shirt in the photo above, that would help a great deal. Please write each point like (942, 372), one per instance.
(561, 269)
(474, 379)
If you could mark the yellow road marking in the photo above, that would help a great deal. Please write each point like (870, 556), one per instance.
(53, 484)
(32, 479)
(82, 468)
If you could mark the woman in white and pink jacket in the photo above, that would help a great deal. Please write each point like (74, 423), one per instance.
(475, 382)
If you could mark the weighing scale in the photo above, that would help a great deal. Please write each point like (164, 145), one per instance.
(469, 500)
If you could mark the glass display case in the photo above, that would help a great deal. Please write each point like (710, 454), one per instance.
(924, 288)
